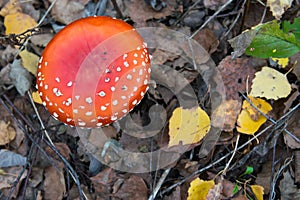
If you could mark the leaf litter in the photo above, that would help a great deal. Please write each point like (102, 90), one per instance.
(245, 75)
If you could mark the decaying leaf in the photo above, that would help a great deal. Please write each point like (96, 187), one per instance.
(21, 77)
(7, 133)
(188, 126)
(198, 189)
(271, 84)
(250, 120)
(9, 159)
(54, 184)
(278, 7)
(225, 116)
(29, 61)
(258, 191)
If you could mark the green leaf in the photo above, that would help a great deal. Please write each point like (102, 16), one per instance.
(235, 189)
(249, 170)
(272, 41)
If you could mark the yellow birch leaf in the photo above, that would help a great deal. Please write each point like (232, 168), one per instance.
(283, 62)
(36, 97)
(18, 23)
(245, 121)
(271, 84)
(278, 7)
(188, 126)
(198, 189)
(29, 61)
(258, 191)
(11, 7)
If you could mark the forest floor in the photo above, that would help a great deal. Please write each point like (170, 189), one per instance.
(250, 146)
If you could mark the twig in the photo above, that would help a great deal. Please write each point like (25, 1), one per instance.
(159, 184)
(232, 156)
(211, 17)
(117, 8)
(278, 174)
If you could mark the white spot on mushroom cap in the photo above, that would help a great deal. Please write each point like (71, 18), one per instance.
(126, 64)
(115, 102)
(75, 111)
(99, 124)
(129, 77)
(135, 62)
(81, 123)
(46, 63)
(89, 113)
(112, 88)
(118, 69)
(77, 97)
(101, 94)
(134, 102)
(69, 119)
(57, 79)
(113, 118)
(89, 100)
(55, 114)
(70, 83)
(103, 108)
(57, 92)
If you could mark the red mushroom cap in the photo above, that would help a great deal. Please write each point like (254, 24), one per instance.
(93, 72)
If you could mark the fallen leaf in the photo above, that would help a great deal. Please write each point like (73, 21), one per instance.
(235, 74)
(288, 189)
(271, 84)
(11, 7)
(67, 11)
(283, 62)
(225, 115)
(258, 191)
(18, 23)
(213, 4)
(278, 7)
(36, 97)
(29, 61)
(7, 133)
(54, 184)
(133, 188)
(198, 189)
(21, 77)
(188, 126)
(246, 123)
(9, 159)
(8, 179)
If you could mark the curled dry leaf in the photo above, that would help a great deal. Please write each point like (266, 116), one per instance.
(7, 133)
(225, 116)
(278, 7)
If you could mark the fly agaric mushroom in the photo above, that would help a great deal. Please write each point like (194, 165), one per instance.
(93, 72)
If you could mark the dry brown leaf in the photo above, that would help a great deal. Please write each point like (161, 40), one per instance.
(54, 184)
(103, 182)
(67, 11)
(207, 39)
(133, 188)
(278, 7)
(7, 133)
(293, 127)
(213, 4)
(225, 116)
(140, 12)
(235, 73)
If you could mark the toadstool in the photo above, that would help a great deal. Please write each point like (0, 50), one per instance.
(93, 72)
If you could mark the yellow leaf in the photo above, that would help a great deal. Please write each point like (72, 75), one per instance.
(188, 126)
(258, 191)
(283, 62)
(278, 7)
(29, 61)
(36, 97)
(18, 23)
(246, 123)
(11, 7)
(271, 84)
(198, 189)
